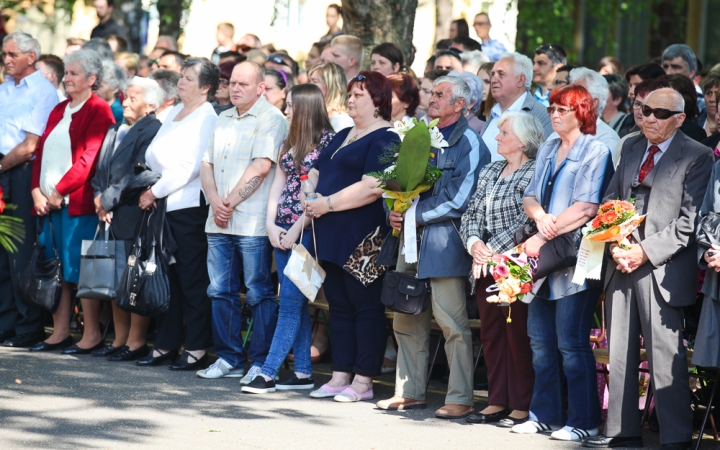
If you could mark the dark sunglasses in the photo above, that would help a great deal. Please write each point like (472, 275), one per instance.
(277, 60)
(244, 48)
(659, 113)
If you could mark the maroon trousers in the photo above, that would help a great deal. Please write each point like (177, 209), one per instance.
(507, 351)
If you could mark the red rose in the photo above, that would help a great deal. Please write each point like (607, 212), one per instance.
(525, 288)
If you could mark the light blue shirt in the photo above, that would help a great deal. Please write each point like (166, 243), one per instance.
(542, 99)
(24, 109)
(493, 49)
(492, 129)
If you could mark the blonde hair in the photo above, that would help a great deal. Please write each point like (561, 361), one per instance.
(353, 47)
(131, 60)
(333, 78)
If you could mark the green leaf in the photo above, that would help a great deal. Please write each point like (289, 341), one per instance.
(413, 157)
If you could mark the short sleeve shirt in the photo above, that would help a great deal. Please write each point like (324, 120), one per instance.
(235, 143)
(582, 177)
(289, 208)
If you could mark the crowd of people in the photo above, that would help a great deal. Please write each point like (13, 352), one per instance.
(219, 147)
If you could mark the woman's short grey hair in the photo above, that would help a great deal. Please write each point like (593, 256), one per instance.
(168, 81)
(91, 63)
(527, 129)
(25, 42)
(475, 58)
(152, 93)
(208, 73)
(685, 52)
(522, 65)
(476, 88)
(460, 89)
(595, 83)
(114, 76)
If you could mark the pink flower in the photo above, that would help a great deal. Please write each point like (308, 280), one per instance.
(502, 270)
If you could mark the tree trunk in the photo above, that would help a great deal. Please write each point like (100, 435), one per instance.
(171, 13)
(443, 18)
(378, 21)
(130, 16)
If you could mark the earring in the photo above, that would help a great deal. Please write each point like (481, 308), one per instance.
(376, 113)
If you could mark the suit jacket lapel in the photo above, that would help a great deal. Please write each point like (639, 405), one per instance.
(631, 163)
(131, 136)
(664, 170)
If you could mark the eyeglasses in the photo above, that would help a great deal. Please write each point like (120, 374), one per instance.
(637, 104)
(659, 113)
(245, 48)
(560, 110)
(224, 82)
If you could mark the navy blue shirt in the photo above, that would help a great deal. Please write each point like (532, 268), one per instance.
(339, 233)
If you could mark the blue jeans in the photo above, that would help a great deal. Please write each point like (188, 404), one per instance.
(225, 255)
(559, 333)
(293, 326)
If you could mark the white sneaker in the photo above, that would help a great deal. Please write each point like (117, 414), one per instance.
(252, 373)
(220, 369)
(573, 434)
(532, 427)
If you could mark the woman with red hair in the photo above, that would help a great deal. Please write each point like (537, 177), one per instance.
(571, 175)
(405, 96)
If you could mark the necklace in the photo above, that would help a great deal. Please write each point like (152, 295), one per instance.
(358, 134)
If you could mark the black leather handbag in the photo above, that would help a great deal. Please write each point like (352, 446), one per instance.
(41, 281)
(708, 232)
(405, 293)
(144, 287)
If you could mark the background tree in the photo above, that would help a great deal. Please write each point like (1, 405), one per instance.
(172, 14)
(443, 18)
(378, 21)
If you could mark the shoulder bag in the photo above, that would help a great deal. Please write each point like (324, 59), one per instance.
(102, 262)
(304, 270)
(405, 294)
(41, 281)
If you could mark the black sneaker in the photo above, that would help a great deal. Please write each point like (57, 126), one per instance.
(259, 386)
(293, 382)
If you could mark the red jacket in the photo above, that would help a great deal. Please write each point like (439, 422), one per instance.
(87, 132)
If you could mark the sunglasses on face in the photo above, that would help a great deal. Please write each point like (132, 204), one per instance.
(560, 110)
(659, 113)
(244, 48)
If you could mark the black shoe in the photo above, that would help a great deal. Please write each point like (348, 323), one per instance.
(510, 422)
(678, 446)
(293, 383)
(488, 418)
(26, 340)
(106, 351)
(185, 364)
(151, 360)
(6, 334)
(259, 386)
(130, 355)
(45, 347)
(75, 350)
(612, 442)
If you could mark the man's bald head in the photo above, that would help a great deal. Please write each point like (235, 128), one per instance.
(658, 130)
(247, 84)
(251, 67)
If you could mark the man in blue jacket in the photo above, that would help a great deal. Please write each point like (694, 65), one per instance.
(441, 258)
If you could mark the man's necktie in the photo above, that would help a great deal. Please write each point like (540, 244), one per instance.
(648, 164)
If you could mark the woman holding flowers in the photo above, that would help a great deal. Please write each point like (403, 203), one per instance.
(494, 213)
(570, 178)
(347, 209)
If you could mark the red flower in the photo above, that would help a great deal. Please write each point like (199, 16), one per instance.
(609, 217)
(597, 222)
(2, 206)
(525, 288)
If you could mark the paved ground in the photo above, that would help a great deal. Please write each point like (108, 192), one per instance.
(55, 401)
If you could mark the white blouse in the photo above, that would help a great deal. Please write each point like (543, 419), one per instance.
(176, 154)
(341, 121)
(57, 154)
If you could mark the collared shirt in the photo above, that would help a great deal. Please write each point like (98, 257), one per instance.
(232, 147)
(493, 49)
(663, 146)
(544, 99)
(24, 109)
(492, 129)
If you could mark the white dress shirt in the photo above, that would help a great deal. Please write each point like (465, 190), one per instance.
(492, 129)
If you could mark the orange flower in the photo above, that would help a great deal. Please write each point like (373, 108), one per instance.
(597, 222)
(609, 217)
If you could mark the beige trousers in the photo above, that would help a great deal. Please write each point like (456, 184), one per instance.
(413, 337)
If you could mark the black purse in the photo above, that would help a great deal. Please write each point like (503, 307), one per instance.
(708, 232)
(41, 281)
(557, 254)
(405, 293)
(144, 287)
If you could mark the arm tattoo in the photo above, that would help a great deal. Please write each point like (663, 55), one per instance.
(249, 188)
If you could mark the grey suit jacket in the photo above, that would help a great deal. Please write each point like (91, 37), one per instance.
(534, 108)
(677, 184)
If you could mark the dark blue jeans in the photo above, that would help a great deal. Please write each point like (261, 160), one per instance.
(225, 255)
(293, 325)
(559, 333)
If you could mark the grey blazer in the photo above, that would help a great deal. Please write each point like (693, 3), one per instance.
(678, 183)
(534, 108)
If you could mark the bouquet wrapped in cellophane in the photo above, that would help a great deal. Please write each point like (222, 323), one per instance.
(512, 272)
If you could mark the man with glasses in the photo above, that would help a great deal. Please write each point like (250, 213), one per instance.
(26, 99)
(492, 48)
(562, 78)
(650, 283)
(509, 84)
(548, 59)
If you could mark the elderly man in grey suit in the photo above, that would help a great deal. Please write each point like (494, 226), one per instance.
(648, 284)
(510, 83)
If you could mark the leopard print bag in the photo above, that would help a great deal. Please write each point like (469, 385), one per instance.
(363, 262)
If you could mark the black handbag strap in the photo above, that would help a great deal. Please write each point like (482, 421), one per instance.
(52, 233)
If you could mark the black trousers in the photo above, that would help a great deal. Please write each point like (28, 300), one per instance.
(15, 313)
(190, 313)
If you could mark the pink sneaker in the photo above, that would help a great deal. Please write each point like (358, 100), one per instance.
(327, 391)
(348, 395)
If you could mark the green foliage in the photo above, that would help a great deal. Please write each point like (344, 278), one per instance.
(412, 160)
